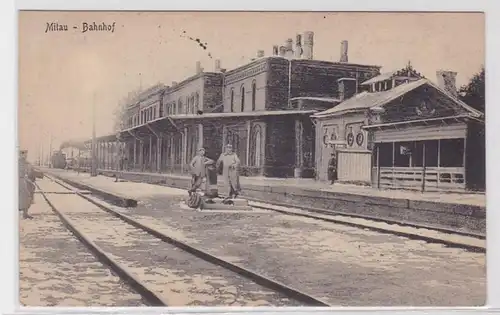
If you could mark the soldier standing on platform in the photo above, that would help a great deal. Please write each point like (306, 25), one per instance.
(198, 169)
(26, 184)
(332, 168)
(230, 172)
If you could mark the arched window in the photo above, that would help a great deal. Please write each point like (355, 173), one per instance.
(232, 100)
(242, 98)
(180, 110)
(254, 94)
(193, 106)
(197, 102)
(256, 146)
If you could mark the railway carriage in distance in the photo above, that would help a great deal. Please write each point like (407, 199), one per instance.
(58, 160)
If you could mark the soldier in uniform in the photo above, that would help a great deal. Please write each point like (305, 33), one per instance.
(332, 168)
(230, 172)
(198, 169)
(26, 184)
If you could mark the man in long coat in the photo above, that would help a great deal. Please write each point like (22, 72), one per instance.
(332, 168)
(26, 184)
(230, 172)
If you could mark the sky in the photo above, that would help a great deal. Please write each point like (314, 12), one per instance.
(61, 74)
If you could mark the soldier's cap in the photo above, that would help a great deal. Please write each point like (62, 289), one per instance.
(23, 151)
(201, 149)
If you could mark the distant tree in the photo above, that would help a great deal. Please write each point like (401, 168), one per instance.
(121, 111)
(473, 93)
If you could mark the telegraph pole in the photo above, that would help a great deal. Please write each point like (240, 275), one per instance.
(93, 171)
(50, 151)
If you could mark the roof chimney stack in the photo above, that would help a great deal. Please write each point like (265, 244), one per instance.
(217, 65)
(199, 69)
(282, 52)
(275, 50)
(289, 48)
(343, 51)
(174, 83)
(260, 53)
(308, 51)
(447, 81)
(298, 46)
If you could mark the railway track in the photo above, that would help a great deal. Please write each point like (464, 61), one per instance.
(469, 241)
(447, 237)
(121, 242)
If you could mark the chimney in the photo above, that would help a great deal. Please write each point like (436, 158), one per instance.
(174, 83)
(308, 45)
(217, 65)
(275, 50)
(347, 88)
(282, 52)
(199, 69)
(343, 51)
(447, 81)
(298, 46)
(260, 53)
(289, 48)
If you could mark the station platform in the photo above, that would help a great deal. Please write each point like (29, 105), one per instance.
(457, 211)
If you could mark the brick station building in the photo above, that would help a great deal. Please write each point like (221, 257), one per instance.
(262, 108)
(286, 113)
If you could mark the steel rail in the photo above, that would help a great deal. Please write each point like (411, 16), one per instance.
(240, 270)
(344, 214)
(147, 295)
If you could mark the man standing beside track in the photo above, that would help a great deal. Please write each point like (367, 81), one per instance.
(198, 169)
(230, 172)
(26, 184)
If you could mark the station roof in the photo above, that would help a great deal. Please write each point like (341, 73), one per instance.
(368, 100)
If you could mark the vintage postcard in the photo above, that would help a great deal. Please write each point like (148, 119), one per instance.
(251, 159)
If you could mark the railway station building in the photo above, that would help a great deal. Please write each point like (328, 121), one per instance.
(285, 114)
(262, 108)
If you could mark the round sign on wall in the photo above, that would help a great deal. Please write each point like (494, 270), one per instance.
(360, 138)
(350, 139)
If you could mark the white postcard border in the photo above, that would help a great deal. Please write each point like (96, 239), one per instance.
(8, 127)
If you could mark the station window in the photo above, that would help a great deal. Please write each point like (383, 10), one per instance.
(242, 98)
(232, 100)
(180, 110)
(197, 102)
(192, 105)
(254, 94)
